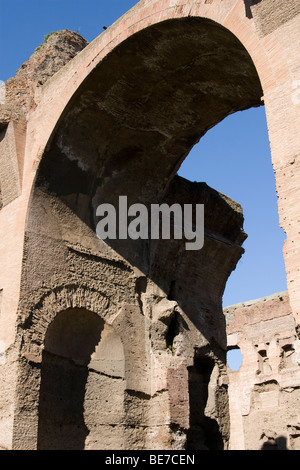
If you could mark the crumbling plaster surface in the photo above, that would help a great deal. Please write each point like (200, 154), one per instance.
(151, 294)
(165, 326)
(265, 392)
(275, 58)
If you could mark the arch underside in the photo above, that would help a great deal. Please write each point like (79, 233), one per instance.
(126, 131)
(135, 118)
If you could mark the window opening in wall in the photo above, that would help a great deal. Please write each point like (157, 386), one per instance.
(287, 356)
(263, 362)
(234, 358)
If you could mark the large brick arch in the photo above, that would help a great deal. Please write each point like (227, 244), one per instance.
(273, 55)
(268, 48)
(230, 14)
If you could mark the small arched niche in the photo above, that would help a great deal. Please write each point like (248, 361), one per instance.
(82, 384)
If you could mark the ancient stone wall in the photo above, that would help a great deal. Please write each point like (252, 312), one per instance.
(264, 394)
(86, 123)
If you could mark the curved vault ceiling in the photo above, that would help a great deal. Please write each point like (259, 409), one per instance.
(138, 114)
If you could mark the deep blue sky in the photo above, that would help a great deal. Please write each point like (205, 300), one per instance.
(24, 24)
(233, 158)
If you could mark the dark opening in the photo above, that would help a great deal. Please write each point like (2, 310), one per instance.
(70, 341)
(172, 331)
(204, 433)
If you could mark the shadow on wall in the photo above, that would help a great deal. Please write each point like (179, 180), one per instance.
(71, 339)
(248, 5)
(280, 443)
(61, 420)
(204, 432)
(77, 396)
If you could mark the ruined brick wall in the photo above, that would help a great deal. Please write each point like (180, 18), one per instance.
(264, 394)
(138, 302)
(87, 124)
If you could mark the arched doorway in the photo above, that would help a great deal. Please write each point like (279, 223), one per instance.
(82, 384)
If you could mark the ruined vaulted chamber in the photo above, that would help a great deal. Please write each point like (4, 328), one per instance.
(122, 344)
(126, 132)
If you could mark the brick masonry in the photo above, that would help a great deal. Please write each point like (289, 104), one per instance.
(264, 391)
(272, 41)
